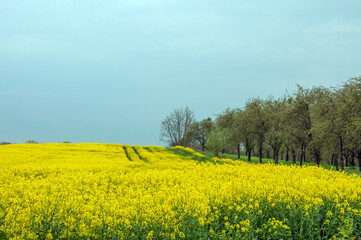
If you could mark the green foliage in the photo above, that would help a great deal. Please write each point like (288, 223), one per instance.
(323, 124)
(198, 132)
(348, 170)
(189, 154)
(217, 140)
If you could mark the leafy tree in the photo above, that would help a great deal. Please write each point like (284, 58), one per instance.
(289, 139)
(320, 106)
(256, 108)
(217, 140)
(275, 134)
(230, 122)
(352, 90)
(246, 131)
(333, 119)
(299, 119)
(353, 133)
(200, 130)
(323, 123)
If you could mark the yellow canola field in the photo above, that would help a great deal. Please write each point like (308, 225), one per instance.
(94, 191)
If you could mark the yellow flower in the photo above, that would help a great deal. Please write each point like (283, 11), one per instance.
(172, 235)
(342, 211)
(91, 185)
(201, 221)
(150, 235)
(49, 236)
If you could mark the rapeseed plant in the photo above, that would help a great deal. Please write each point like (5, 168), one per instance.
(81, 191)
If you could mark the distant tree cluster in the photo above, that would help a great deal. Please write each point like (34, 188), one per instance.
(28, 141)
(313, 124)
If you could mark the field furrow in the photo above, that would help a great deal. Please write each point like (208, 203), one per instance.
(92, 191)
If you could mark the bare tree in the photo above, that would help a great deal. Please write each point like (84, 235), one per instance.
(175, 128)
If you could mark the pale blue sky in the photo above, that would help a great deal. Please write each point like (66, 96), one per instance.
(110, 71)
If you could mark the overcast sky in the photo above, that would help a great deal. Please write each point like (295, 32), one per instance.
(110, 71)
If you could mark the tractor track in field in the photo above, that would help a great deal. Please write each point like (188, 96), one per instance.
(126, 153)
(139, 155)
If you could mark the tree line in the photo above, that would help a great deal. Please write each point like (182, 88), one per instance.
(316, 124)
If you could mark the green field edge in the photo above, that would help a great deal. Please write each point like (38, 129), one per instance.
(255, 160)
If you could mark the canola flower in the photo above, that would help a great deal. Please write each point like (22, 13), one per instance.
(97, 191)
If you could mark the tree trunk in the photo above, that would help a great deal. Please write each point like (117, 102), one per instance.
(293, 154)
(317, 158)
(332, 161)
(249, 155)
(341, 155)
(260, 152)
(223, 151)
(353, 155)
(335, 161)
(203, 147)
(238, 152)
(359, 159)
(303, 154)
(347, 160)
(276, 159)
(287, 157)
